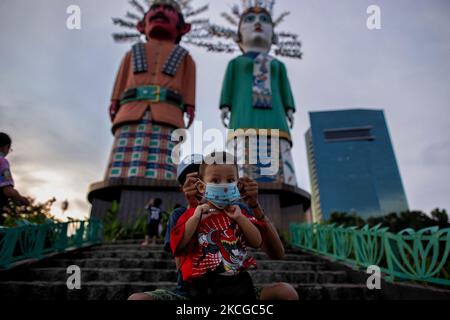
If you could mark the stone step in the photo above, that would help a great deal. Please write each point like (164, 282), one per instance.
(113, 271)
(158, 247)
(347, 292)
(57, 291)
(159, 254)
(165, 275)
(122, 247)
(135, 242)
(170, 264)
(298, 277)
(114, 263)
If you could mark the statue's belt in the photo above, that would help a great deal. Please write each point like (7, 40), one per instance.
(155, 94)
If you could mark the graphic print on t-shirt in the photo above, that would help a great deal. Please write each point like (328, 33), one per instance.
(155, 213)
(221, 247)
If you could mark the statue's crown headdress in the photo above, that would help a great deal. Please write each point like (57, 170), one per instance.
(218, 38)
(268, 5)
(207, 35)
(141, 7)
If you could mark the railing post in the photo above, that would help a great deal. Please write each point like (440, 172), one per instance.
(334, 238)
(8, 244)
(62, 237)
(40, 241)
(94, 231)
(79, 235)
(389, 261)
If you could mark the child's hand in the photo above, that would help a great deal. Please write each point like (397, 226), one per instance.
(234, 213)
(249, 191)
(201, 210)
(190, 190)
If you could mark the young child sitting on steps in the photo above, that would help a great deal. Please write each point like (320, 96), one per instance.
(211, 240)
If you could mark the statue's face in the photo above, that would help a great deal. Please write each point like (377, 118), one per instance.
(256, 30)
(162, 22)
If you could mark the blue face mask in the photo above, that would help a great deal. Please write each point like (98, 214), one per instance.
(222, 195)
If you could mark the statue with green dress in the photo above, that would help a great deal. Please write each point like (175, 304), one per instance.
(256, 93)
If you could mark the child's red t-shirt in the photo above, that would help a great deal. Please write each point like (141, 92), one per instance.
(217, 246)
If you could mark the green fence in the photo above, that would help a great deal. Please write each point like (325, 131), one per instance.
(421, 256)
(37, 241)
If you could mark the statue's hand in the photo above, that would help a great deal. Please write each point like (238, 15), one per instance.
(225, 116)
(114, 109)
(290, 117)
(190, 111)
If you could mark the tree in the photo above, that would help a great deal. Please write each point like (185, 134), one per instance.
(415, 220)
(36, 212)
(345, 219)
(441, 217)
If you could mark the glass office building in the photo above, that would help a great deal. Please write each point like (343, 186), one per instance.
(352, 165)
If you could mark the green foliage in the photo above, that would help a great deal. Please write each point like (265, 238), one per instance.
(139, 229)
(345, 219)
(285, 238)
(165, 221)
(441, 217)
(36, 213)
(415, 220)
(111, 225)
(114, 230)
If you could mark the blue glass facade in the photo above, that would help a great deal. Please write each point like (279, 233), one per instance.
(352, 164)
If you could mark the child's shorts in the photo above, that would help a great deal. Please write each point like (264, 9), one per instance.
(165, 295)
(214, 286)
(170, 295)
(152, 228)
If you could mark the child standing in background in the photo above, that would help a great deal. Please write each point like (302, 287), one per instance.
(154, 219)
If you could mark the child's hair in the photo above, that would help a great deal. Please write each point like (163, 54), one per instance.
(218, 158)
(157, 202)
(5, 140)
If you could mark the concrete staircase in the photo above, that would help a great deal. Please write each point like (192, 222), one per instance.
(115, 271)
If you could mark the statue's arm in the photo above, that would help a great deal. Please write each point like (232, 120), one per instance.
(226, 98)
(119, 86)
(286, 91)
(287, 96)
(190, 80)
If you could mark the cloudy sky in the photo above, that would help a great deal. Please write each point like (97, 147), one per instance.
(55, 86)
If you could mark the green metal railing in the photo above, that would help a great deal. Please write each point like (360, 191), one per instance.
(421, 256)
(37, 241)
